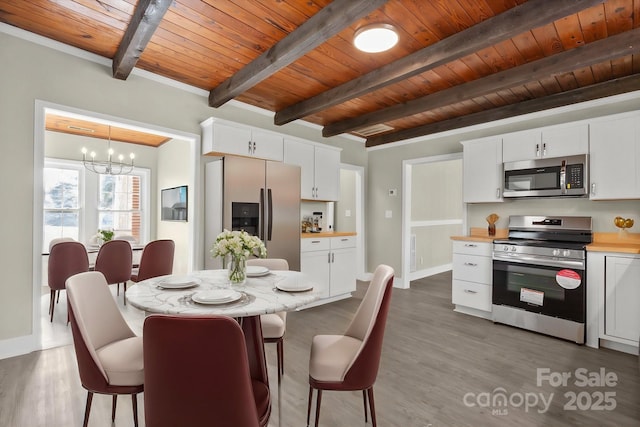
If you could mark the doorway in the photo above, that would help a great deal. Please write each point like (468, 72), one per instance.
(349, 211)
(432, 212)
(193, 244)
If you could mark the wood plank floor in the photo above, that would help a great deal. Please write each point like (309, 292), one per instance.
(435, 365)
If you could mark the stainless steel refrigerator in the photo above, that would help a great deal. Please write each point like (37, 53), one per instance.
(259, 196)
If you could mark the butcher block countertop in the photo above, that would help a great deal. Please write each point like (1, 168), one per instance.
(482, 235)
(328, 234)
(625, 242)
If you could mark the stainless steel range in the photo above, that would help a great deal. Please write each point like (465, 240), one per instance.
(539, 275)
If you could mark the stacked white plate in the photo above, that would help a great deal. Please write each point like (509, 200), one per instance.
(292, 284)
(216, 296)
(257, 271)
(178, 282)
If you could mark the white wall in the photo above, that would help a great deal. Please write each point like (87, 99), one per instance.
(174, 165)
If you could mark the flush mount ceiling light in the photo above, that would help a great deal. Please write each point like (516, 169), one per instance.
(375, 38)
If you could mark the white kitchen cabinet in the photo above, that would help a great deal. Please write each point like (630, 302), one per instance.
(622, 298)
(482, 170)
(319, 167)
(223, 137)
(330, 261)
(615, 157)
(472, 277)
(548, 142)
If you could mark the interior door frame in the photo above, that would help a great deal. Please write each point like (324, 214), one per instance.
(361, 260)
(407, 165)
(41, 110)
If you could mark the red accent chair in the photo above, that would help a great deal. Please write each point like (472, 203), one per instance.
(197, 374)
(115, 261)
(156, 260)
(109, 354)
(350, 361)
(274, 325)
(66, 258)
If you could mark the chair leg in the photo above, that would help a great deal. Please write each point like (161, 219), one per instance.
(87, 409)
(58, 299)
(117, 288)
(52, 303)
(113, 407)
(280, 351)
(309, 404)
(364, 400)
(124, 292)
(318, 401)
(134, 401)
(372, 406)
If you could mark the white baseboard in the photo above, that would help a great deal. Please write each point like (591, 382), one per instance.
(18, 346)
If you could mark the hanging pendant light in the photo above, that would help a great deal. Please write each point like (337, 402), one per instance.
(109, 166)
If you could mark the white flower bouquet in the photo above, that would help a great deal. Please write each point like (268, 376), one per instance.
(239, 245)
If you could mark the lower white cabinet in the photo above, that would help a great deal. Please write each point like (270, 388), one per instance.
(331, 262)
(622, 298)
(472, 277)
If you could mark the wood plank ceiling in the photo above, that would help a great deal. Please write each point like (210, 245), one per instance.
(458, 62)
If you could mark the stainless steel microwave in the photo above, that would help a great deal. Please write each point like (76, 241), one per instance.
(562, 176)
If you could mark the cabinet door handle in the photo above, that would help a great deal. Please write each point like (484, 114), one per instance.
(593, 189)
(254, 148)
(498, 193)
(329, 258)
(471, 264)
(470, 245)
(537, 150)
(249, 151)
(315, 241)
(544, 149)
(344, 240)
(469, 291)
(333, 257)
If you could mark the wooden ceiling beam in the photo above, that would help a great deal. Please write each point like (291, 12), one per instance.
(517, 20)
(613, 47)
(588, 93)
(325, 24)
(144, 22)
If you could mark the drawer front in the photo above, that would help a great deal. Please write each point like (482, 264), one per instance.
(472, 248)
(473, 268)
(308, 244)
(343, 242)
(471, 294)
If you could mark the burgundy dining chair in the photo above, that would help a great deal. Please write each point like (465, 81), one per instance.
(274, 325)
(115, 261)
(350, 362)
(156, 260)
(66, 258)
(108, 353)
(196, 374)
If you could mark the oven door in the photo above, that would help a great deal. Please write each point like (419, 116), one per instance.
(550, 290)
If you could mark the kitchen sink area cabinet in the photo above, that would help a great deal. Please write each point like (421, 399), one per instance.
(320, 169)
(223, 137)
(482, 170)
(331, 262)
(548, 142)
(615, 169)
(472, 277)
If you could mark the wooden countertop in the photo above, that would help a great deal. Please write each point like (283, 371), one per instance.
(624, 242)
(482, 235)
(327, 234)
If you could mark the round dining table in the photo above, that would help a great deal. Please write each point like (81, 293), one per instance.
(269, 292)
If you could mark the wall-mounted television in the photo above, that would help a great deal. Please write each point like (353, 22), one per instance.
(174, 204)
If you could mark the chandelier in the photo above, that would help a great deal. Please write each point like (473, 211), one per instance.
(109, 166)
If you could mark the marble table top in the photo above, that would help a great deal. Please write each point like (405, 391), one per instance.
(260, 295)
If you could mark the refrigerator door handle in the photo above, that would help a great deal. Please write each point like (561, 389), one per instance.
(270, 218)
(262, 212)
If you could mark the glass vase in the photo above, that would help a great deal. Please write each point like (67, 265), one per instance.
(237, 270)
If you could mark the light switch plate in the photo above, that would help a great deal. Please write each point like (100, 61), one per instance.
(388, 214)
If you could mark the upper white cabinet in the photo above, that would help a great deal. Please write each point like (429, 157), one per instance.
(320, 169)
(615, 157)
(482, 170)
(223, 137)
(554, 141)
